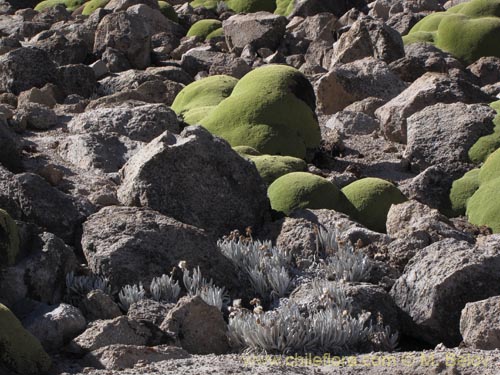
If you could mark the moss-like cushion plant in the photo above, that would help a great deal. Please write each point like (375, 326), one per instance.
(468, 30)
(372, 198)
(199, 98)
(203, 28)
(9, 239)
(70, 5)
(284, 7)
(271, 167)
(483, 208)
(480, 189)
(238, 6)
(271, 109)
(20, 351)
(461, 190)
(489, 143)
(304, 190)
(93, 5)
(168, 11)
(491, 168)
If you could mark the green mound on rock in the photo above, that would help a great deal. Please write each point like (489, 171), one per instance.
(93, 5)
(9, 239)
(304, 190)
(70, 5)
(468, 31)
(372, 198)
(237, 6)
(483, 207)
(284, 7)
(271, 167)
(491, 168)
(204, 28)
(487, 144)
(199, 98)
(479, 190)
(271, 109)
(168, 11)
(461, 190)
(20, 351)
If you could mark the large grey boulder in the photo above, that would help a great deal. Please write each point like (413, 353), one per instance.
(442, 134)
(479, 324)
(119, 357)
(121, 330)
(413, 226)
(16, 75)
(437, 283)
(105, 138)
(196, 178)
(40, 272)
(61, 50)
(127, 33)
(54, 326)
(368, 37)
(48, 207)
(429, 89)
(358, 80)
(199, 327)
(129, 245)
(259, 30)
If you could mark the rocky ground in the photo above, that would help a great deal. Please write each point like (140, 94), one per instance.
(148, 150)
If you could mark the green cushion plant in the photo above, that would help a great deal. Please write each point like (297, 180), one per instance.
(20, 351)
(199, 98)
(468, 30)
(70, 5)
(298, 190)
(372, 198)
(271, 167)
(271, 109)
(204, 28)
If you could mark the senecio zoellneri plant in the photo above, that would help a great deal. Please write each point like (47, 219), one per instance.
(131, 294)
(345, 262)
(326, 328)
(265, 265)
(78, 287)
(197, 285)
(164, 288)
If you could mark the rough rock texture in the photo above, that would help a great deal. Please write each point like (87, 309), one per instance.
(97, 305)
(105, 138)
(128, 245)
(48, 207)
(442, 134)
(486, 69)
(352, 123)
(54, 326)
(41, 276)
(429, 89)
(119, 357)
(437, 283)
(149, 310)
(121, 330)
(128, 34)
(432, 186)
(259, 30)
(176, 174)
(199, 328)
(17, 76)
(479, 324)
(414, 226)
(368, 37)
(346, 84)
